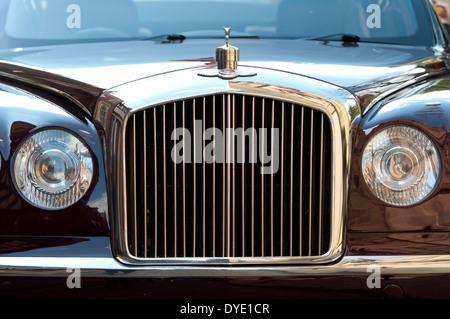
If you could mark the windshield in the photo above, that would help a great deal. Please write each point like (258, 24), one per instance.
(27, 23)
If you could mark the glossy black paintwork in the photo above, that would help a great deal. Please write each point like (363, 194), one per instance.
(23, 114)
(54, 246)
(427, 103)
(425, 106)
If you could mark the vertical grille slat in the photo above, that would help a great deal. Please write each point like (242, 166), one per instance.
(291, 184)
(320, 183)
(263, 110)
(194, 186)
(181, 204)
(144, 149)
(214, 183)
(253, 180)
(223, 177)
(175, 183)
(204, 183)
(135, 243)
(243, 188)
(155, 189)
(282, 180)
(300, 237)
(311, 154)
(165, 181)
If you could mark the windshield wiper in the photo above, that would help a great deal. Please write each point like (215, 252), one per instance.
(167, 37)
(344, 37)
(200, 34)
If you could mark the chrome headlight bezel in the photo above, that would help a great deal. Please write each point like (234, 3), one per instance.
(401, 165)
(52, 168)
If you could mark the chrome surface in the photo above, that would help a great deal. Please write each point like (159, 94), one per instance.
(227, 58)
(125, 101)
(197, 236)
(109, 267)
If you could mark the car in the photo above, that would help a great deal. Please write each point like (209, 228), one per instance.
(198, 149)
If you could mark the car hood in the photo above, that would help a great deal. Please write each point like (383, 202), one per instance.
(365, 69)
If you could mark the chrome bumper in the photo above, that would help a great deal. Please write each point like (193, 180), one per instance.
(109, 267)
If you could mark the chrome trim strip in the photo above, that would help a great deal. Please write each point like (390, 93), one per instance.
(111, 268)
(290, 88)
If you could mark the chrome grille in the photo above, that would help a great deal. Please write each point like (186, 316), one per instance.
(228, 209)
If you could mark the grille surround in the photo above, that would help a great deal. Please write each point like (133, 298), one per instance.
(328, 99)
(170, 212)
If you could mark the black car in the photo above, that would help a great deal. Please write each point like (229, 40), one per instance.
(224, 149)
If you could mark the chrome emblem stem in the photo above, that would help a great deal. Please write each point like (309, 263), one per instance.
(227, 58)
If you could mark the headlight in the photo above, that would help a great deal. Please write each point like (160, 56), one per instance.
(401, 165)
(53, 169)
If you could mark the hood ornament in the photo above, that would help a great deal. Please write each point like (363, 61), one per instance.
(227, 57)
